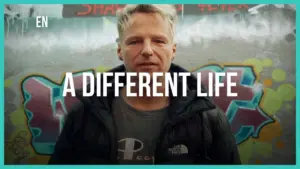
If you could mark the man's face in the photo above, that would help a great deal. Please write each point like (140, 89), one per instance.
(146, 44)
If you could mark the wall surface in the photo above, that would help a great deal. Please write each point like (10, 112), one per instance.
(260, 47)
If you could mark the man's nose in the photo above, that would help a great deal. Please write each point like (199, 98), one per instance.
(147, 49)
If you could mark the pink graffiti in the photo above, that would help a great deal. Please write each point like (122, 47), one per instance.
(45, 107)
(243, 110)
(244, 115)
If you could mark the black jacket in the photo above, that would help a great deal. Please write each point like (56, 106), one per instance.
(89, 135)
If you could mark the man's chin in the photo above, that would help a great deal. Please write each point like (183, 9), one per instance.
(148, 73)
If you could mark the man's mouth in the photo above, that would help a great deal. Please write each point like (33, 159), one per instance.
(147, 64)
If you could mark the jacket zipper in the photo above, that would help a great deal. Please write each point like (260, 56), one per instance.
(159, 143)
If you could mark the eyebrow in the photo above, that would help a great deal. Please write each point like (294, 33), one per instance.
(132, 37)
(152, 36)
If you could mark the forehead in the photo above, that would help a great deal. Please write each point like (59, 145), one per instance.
(145, 24)
(139, 18)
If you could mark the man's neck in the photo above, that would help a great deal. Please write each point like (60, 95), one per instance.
(146, 103)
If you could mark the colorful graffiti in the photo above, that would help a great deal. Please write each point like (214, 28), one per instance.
(45, 106)
(251, 114)
(243, 111)
(110, 9)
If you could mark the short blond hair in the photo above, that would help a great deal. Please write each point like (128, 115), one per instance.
(168, 12)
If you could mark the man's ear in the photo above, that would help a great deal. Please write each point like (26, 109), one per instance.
(174, 51)
(119, 52)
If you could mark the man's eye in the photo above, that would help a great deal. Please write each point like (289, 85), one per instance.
(159, 41)
(133, 42)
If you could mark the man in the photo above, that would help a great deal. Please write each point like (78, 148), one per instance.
(146, 130)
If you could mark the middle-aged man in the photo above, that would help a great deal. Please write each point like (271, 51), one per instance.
(146, 130)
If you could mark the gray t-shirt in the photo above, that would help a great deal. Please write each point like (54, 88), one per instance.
(137, 132)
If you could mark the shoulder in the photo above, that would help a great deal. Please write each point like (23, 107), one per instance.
(75, 110)
(214, 114)
(217, 121)
(74, 118)
(80, 108)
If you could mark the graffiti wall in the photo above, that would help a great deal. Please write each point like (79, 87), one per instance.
(256, 41)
